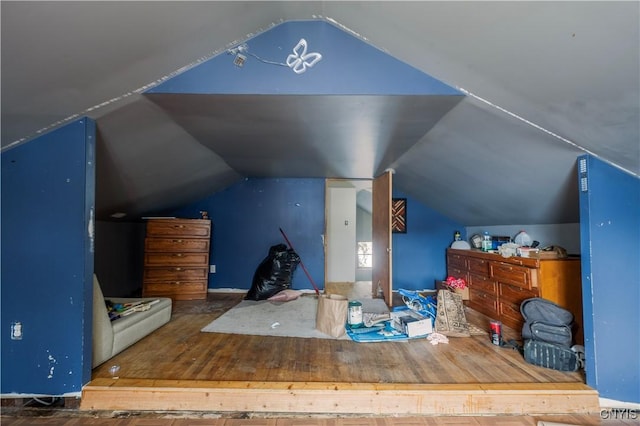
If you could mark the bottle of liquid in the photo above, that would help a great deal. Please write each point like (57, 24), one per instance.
(486, 241)
(456, 236)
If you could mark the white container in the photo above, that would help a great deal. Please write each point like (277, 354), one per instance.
(526, 251)
(522, 239)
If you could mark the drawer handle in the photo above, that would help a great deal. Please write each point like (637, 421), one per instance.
(178, 269)
(177, 255)
(177, 283)
(177, 241)
(179, 226)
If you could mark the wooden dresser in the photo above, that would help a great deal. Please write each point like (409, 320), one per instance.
(498, 285)
(176, 259)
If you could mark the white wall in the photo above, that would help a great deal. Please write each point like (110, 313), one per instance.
(341, 235)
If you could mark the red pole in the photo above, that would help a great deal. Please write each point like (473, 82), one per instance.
(301, 264)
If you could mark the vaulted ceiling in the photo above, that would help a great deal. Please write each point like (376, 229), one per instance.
(544, 82)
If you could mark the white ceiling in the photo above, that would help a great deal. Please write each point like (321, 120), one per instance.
(545, 82)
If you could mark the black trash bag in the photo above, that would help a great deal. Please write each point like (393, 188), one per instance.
(274, 273)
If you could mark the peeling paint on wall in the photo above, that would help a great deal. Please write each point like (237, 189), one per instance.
(52, 362)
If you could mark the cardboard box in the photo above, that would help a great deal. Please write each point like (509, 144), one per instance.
(441, 285)
(409, 323)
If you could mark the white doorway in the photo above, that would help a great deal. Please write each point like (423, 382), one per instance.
(348, 237)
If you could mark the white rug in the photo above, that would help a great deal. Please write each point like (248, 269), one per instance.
(296, 318)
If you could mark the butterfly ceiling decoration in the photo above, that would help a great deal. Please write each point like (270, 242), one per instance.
(300, 60)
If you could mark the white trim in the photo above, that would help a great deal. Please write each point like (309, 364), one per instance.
(612, 403)
(40, 395)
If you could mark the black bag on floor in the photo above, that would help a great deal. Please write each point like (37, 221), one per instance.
(552, 356)
(546, 322)
(274, 273)
(548, 336)
(556, 334)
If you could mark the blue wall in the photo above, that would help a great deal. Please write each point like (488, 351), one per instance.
(247, 217)
(419, 256)
(246, 220)
(47, 261)
(610, 235)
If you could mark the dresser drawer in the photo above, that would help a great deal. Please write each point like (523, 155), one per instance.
(175, 274)
(176, 245)
(191, 228)
(511, 316)
(483, 283)
(479, 266)
(172, 287)
(515, 294)
(458, 273)
(456, 261)
(512, 274)
(483, 302)
(510, 310)
(177, 259)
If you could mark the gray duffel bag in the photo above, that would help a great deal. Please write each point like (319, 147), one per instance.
(547, 322)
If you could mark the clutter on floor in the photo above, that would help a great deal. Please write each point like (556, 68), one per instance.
(274, 273)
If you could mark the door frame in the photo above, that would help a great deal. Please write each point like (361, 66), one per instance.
(382, 238)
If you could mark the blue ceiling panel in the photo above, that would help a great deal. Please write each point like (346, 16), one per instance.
(305, 57)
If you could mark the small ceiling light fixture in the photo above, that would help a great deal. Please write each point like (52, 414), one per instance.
(300, 60)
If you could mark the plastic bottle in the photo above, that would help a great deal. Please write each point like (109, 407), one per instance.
(486, 241)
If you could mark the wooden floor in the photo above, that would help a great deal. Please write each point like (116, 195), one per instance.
(61, 418)
(179, 351)
(128, 419)
(178, 367)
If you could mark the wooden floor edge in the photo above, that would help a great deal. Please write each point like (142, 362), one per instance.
(244, 384)
(340, 398)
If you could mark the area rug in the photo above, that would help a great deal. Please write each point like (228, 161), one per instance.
(296, 318)
(474, 330)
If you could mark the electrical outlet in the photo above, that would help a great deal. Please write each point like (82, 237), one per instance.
(16, 330)
(212, 269)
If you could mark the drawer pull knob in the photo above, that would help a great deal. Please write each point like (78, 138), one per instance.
(177, 241)
(178, 255)
(178, 269)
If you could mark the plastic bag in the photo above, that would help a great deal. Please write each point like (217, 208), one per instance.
(274, 273)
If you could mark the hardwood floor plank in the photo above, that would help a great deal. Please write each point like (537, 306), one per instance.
(262, 372)
(250, 422)
(179, 351)
(70, 418)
